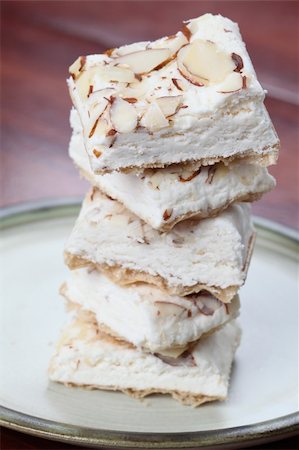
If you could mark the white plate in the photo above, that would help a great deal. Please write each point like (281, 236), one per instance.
(263, 397)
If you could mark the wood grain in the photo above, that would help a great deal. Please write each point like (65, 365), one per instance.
(40, 39)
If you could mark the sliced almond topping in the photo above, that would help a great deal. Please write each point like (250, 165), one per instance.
(183, 178)
(173, 352)
(123, 116)
(93, 128)
(208, 304)
(169, 105)
(203, 63)
(186, 32)
(167, 214)
(77, 67)
(144, 61)
(96, 153)
(178, 84)
(99, 96)
(186, 359)
(169, 308)
(205, 310)
(96, 111)
(153, 119)
(238, 61)
(84, 82)
(136, 90)
(173, 43)
(232, 83)
(130, 99)
(116, 73)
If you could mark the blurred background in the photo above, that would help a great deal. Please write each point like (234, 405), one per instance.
(40, 39)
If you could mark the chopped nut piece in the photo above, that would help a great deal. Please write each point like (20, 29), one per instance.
(90, 90)
(111, 132)
(96, 153)
(109, 51)
(167, 214)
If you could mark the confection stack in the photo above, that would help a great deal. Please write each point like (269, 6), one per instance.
(175, 140)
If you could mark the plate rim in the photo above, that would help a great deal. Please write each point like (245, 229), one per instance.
(265, 431)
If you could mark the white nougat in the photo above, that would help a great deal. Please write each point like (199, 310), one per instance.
(185, 191)
(193, 96)
(144, 315)
(210, 254)
(87, 357)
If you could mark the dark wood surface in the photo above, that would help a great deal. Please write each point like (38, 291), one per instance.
(40, 39)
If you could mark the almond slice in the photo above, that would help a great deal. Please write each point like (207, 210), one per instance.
(233, 82)
(97, 109)
(173, 352)
(77, 67)
(144, 61)
(188, 175)
(186, 359)
(100, 95)
(167, 214)
(187, 32)
(168, 308)
(84, 82)
(123, 116)
(179, 84)
(203, 63)
(177, 42)
(169, 105)
(97, 154)
(116, 73)
(173, 43)
(238, 61)
(153, 119)
(138, 89)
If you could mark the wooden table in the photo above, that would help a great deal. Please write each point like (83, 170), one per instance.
(41, 39)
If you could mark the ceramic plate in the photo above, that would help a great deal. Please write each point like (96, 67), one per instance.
(263, 397)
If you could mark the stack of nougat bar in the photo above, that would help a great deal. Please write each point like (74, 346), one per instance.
(175, 140)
